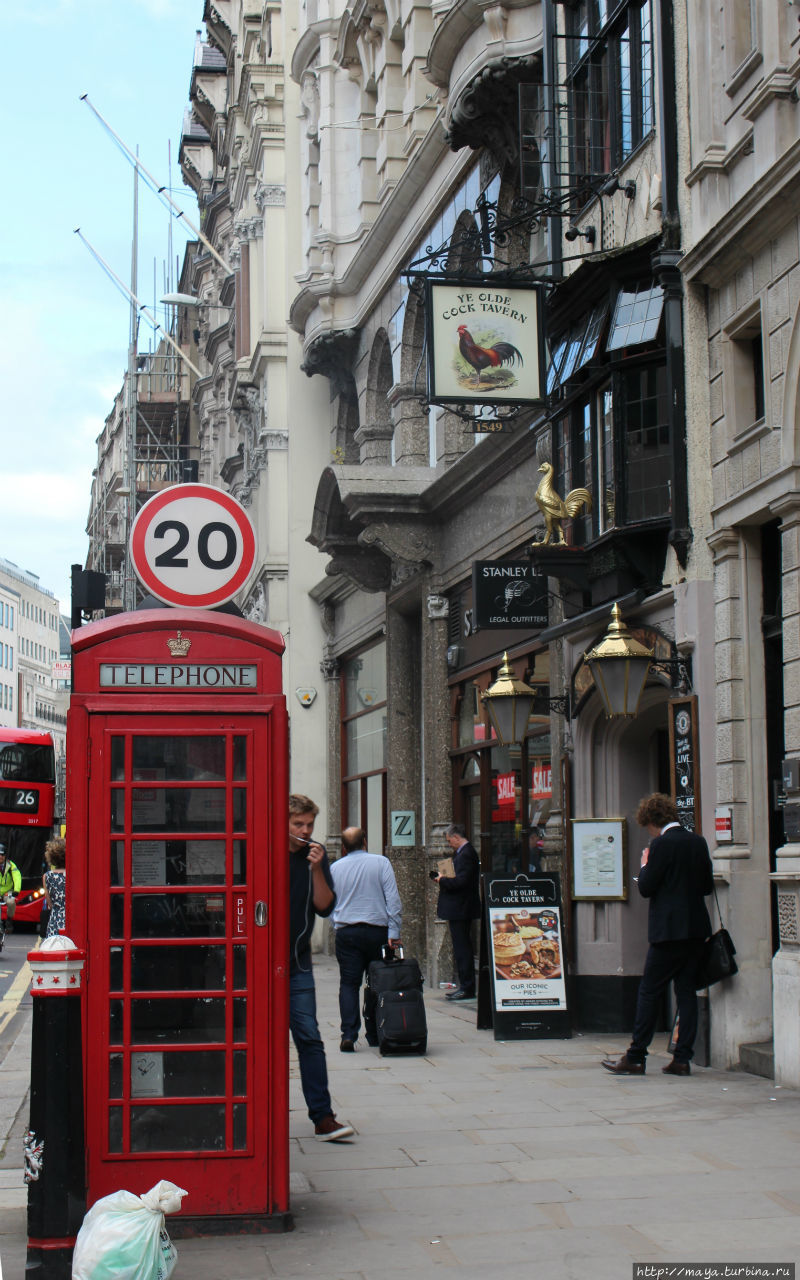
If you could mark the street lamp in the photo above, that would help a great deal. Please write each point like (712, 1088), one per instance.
(509, 703)
(620, 666)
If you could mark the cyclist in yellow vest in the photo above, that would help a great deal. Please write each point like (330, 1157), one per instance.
(10, 885)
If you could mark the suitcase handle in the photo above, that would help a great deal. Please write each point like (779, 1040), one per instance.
(390, 954)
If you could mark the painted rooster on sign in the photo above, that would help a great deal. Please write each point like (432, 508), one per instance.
(555, 508)
(485, 357)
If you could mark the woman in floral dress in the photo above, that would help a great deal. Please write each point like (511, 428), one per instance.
(55, 885)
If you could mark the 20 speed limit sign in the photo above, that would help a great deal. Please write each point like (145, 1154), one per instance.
(193, 545)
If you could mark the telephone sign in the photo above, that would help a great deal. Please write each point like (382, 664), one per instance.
(193, 545)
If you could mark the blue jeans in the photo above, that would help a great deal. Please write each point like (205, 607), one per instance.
(357, 945)
(308, 1042)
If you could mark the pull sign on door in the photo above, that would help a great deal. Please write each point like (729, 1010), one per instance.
(193, 545)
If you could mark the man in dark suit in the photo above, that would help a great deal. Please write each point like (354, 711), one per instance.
(675, 875)
(459, 904)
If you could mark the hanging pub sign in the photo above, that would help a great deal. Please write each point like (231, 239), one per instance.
(526, 957)
(508, 593)
(485, 343)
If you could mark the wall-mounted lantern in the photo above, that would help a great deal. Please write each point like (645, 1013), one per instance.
(509, 703)
(620, 666)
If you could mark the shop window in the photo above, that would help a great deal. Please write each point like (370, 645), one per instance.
(609, 80)
(471, 726)
(615, 442)
(575, 350)
(645, 443)
(363, 737)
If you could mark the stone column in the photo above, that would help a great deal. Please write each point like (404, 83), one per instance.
(438, 780)
(403, 758)
(411, 431)
(374, 442)
(740, 1010)
(322, 935)
(786, 962)
(330, 669)
(454, 437)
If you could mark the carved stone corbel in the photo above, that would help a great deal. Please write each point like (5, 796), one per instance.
(369, 570)
(438, 607)
(409, 543)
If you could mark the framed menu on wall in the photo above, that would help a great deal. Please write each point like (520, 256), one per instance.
(599, 859)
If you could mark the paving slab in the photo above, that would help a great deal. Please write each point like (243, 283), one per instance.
(485, 1157)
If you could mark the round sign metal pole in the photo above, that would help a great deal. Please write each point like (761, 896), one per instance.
(193, 546)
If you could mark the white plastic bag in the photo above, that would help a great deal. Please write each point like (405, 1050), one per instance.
(123, 1236)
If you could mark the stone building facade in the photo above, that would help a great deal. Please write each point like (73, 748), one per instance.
(257, 415)
(742, 277)
(342, 152)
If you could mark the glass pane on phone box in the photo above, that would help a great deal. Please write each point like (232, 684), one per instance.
(197, 809)
(197, 1127)
(181, 915)
(178, 968)
(239, 759)
(177, 862)
(115, 1075)
(117, 810)
(116, 909)
(178, 809)
(117, 759)
(117, 862)
(240, 968)
(239, 861)
(204, 861)
(172, 1073)
(239, 809)
(115, 1130)
(239, 1072)
(240, 1019)
(179, 758)
(115, 969)
(115, 1021)
(240, 1126)
(182, 1020)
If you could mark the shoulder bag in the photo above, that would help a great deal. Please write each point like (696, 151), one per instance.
(718, 960)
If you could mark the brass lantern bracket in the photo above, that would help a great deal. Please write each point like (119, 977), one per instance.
(680, 672)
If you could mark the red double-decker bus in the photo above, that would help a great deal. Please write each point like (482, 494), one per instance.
(27, 796)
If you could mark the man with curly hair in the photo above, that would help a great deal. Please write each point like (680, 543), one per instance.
(675, 876)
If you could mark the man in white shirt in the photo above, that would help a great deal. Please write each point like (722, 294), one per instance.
(367, 915)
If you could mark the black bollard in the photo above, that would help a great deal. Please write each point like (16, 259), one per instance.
(54, 1142)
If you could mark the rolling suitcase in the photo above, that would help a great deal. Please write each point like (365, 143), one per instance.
(402, 1025)
(392, 973)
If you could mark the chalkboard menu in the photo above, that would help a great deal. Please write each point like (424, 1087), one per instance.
(683, 757)
(526, 957)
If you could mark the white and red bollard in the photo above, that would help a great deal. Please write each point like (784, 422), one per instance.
(54, 1141)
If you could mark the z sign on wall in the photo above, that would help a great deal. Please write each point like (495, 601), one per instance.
(193, 545)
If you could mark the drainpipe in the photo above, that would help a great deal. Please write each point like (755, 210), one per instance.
(549, 74)
(665, 267)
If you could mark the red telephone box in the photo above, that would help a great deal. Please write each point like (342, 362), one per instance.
(178, 891)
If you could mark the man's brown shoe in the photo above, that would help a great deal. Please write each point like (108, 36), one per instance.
(329, 1129)
(624, 1066)
(676, 1068)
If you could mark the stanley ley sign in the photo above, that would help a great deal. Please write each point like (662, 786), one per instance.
(508, 593)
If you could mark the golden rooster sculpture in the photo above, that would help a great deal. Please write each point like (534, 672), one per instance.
(555, 509)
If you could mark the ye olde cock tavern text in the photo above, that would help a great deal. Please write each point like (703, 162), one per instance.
(470, 303)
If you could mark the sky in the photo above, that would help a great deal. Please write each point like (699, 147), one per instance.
(64, 326)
